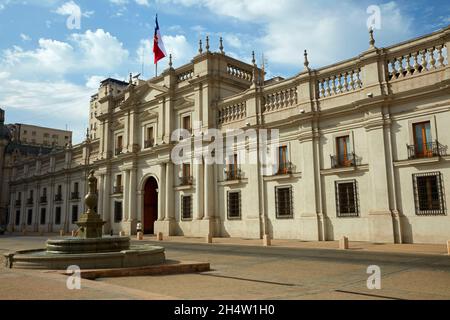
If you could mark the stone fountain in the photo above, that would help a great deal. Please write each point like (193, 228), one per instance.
(89, 249)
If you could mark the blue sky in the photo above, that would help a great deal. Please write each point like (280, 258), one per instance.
(48, 71)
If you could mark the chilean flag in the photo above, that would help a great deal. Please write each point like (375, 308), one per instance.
(158, 46)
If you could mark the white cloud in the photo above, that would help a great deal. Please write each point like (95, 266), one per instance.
(143, 3)
(330, 31)
(47, 103)
(177, 45)
(85, 52)
(71, 8)
(25, 37)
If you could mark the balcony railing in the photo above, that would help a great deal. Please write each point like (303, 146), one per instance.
(351, 160)
(231, 175)
(118, 189)
(30, 201)
(186, 181)
(43, 199)
(118, 152)
(285, 168)
(426, 150)
(58, 197)
(75, 196)
(18, 203)
(149, 143)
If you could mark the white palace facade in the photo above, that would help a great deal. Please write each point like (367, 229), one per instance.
(363, 152)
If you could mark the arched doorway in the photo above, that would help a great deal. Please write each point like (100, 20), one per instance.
(150, 205)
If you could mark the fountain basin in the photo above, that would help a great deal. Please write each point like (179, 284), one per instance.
(135, 256)
(96, 245)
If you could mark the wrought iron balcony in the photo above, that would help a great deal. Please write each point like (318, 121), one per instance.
(43, 199)
(18, 203)
(285, 168)
(30, 201)
(149, 143)
(75, 196)
(118, 189)
(426, 150)
(118, 151)
(235, 174)
(351, 160)
(58, 197)
(186, 181)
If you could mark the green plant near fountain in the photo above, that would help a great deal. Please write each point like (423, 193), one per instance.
(89, 249)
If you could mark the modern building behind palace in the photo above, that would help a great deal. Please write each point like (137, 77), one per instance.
(363, 152)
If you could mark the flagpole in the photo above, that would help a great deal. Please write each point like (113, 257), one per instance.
(156, 69)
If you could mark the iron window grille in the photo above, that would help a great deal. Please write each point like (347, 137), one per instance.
(74, 214)
(283, 202)
(347, 199)
(43, 216)
(17, 222)
(426, 150)
(58, 198)
(234, 204)
(429, 194)
(186, 207)
(30, 217)
(58, 215)
(117, 211)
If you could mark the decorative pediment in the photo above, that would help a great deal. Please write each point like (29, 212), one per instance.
(184, 103)
(143, 93)
(118, 124)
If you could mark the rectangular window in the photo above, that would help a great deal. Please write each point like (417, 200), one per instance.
(283, 163)
(232, 172)
(117, 211)
(75, 187)
(422, 140)
(283, 202)
(343, 151)
(234, 204)
(30, 217)
(17, 217)
(119, 145)
(187, 123)
(118, 188)
(150, 139)
(186, 174)
(43, 215)
(74, 214)
(346, 198)
(428, 192)
(186, 207)
(58, 215)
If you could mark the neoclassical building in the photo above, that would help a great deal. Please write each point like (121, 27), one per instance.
(363, 152)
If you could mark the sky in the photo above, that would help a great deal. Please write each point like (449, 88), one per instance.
(51, 63)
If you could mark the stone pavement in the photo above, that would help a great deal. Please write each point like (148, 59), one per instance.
(240, 271)
(434, 249)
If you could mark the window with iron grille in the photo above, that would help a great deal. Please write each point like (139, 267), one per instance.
(186, 207)
(234, 204)
(58, 215)
(428, 194)
(117, 211)
(17, 218)
(43, 215)
(283, 202)
(347, 199)
(30, 217)
(74, 214)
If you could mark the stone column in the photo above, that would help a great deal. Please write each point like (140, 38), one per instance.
(106, 208)
(126, 186)
(209, 191)
(100, 194)
(380, 219)
(199, 213)
(170, 213)
(161, 193)
(132, 198)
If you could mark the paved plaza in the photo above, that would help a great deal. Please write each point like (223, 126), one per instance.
(244, 269)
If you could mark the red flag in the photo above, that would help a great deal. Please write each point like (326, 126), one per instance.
(158, 46)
